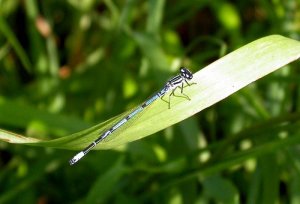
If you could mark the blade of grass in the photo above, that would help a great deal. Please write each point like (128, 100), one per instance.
(154, 19)
(20, 116)
(214, 83)
(106, 184)
(11, 38)
(206, 170)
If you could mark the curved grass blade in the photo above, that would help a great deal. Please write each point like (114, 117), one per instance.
(213, 83)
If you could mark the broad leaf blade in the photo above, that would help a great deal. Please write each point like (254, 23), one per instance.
(213, 83)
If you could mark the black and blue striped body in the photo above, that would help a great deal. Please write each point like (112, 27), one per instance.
(172, 84)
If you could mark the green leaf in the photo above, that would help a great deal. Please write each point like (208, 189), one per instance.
(220, 189)
(12, 39)
(106, 184)
(213, 83)
(20, 115)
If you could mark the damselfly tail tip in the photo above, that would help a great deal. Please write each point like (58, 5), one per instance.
(76, 158)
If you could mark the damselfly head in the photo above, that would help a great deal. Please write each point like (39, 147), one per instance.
(185, 73)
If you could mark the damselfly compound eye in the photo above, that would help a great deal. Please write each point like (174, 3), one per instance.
(185, 73)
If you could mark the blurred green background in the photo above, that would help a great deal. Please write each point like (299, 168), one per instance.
(68, 65)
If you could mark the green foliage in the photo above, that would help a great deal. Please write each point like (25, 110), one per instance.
(65, 66)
